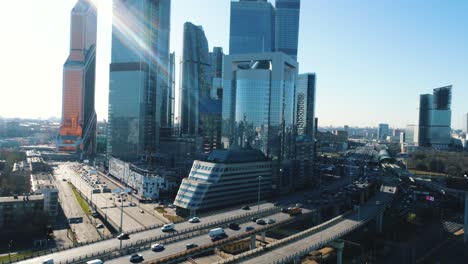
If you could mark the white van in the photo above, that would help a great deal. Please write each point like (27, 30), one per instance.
(216, 232)
(167, 227)
(48, 261)
(95, 261)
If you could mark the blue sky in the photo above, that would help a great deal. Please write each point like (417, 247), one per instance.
(372, 58)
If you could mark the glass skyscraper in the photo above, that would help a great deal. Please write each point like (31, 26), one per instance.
(195, 77)
(258, 107)
(216, 73)
(78, 128)
(305, 104)
(287, 26)
(138, 72)
(252, 27)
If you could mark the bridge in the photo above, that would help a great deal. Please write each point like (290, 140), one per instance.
(293, 248)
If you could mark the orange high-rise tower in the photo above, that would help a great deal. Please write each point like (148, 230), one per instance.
(78, 130)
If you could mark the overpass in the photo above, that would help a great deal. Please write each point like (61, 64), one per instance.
(293, 248)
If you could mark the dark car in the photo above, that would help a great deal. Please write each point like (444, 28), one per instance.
(189, 246)
(218, 237)
(285, 210)
(234, 226)
(246, 207)
(254, 219)
(249, 228)
(123, 236)
(261, 222)
(136, 258)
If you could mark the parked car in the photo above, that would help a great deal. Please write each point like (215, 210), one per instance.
(249, 228)
(99, 226)
(131, 204)
(189, 246)
(123, 236)
(136, 258)
(157, 247)
(234, 226)
(194, 220)
(260, 222)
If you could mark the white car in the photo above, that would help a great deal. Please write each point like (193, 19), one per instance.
(194, 220)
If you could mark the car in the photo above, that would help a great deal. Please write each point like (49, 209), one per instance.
(157, 247)
(136, 258)
(377, 202)
(110, 198)
(141, 211)
(194, 220)
(276, 204)
(123, 236)
(189, 246)
(298, 205)
(131, 204)
(218, 237)
(234, 226)
(64, 179)
(99, 226)
(260, 222)
(171, 206)
(249, 228)
(254, 219)
(119, 200)
(271, 221)
(246, 207)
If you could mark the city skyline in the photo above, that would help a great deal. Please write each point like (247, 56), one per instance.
(399, 47)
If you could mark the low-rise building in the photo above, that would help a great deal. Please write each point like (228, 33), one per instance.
(43, 183)
(15, 210)
(227, 177)
(148, 182)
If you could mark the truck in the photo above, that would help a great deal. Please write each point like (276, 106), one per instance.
(216, 232)
(167, 227)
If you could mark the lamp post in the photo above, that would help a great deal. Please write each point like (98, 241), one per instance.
(258, 200)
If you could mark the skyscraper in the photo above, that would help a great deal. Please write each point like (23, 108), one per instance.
(217, 73)
(287, 26)
(162, 35)
(434, 118)
(195, 77)
(305, 104)
(252, 27)
(138, 74)
(170, 106)
(78, 129)
(258, 107)
(383, 131)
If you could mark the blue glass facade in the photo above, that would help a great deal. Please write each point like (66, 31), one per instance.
(140, 35)
(252, 27)
(258, 106)
(305, 104)
(195, 77)
(287, 26)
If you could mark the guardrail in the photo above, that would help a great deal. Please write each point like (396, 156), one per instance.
(301, 235)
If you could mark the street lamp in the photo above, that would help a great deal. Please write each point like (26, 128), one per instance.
(258, 200)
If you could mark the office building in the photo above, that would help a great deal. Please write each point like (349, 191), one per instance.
(434, 118)
(287, 26)
(305, 104)
(44, 183)
(252, 27)
(258, 107)
(383, 131)
(138, 76)
(227, 177)
(410, 133)
(147, 182)
(78, 129)
(216, 92)
(17, 211)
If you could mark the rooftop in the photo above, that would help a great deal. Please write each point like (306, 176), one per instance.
(236, 155)
(11, 199)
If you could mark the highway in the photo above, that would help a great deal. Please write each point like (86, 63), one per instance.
(311, 242)
(200, 240)
(114, 243)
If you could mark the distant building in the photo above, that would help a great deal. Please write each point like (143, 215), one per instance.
(148, 182)
(259, 108)
(36, 164)
(78, 130)
(434, 119)
(43, 183)
(332, 142)
(383, 132)
(465, 123)
(305, 104)
(227, 177)
(410, 133)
